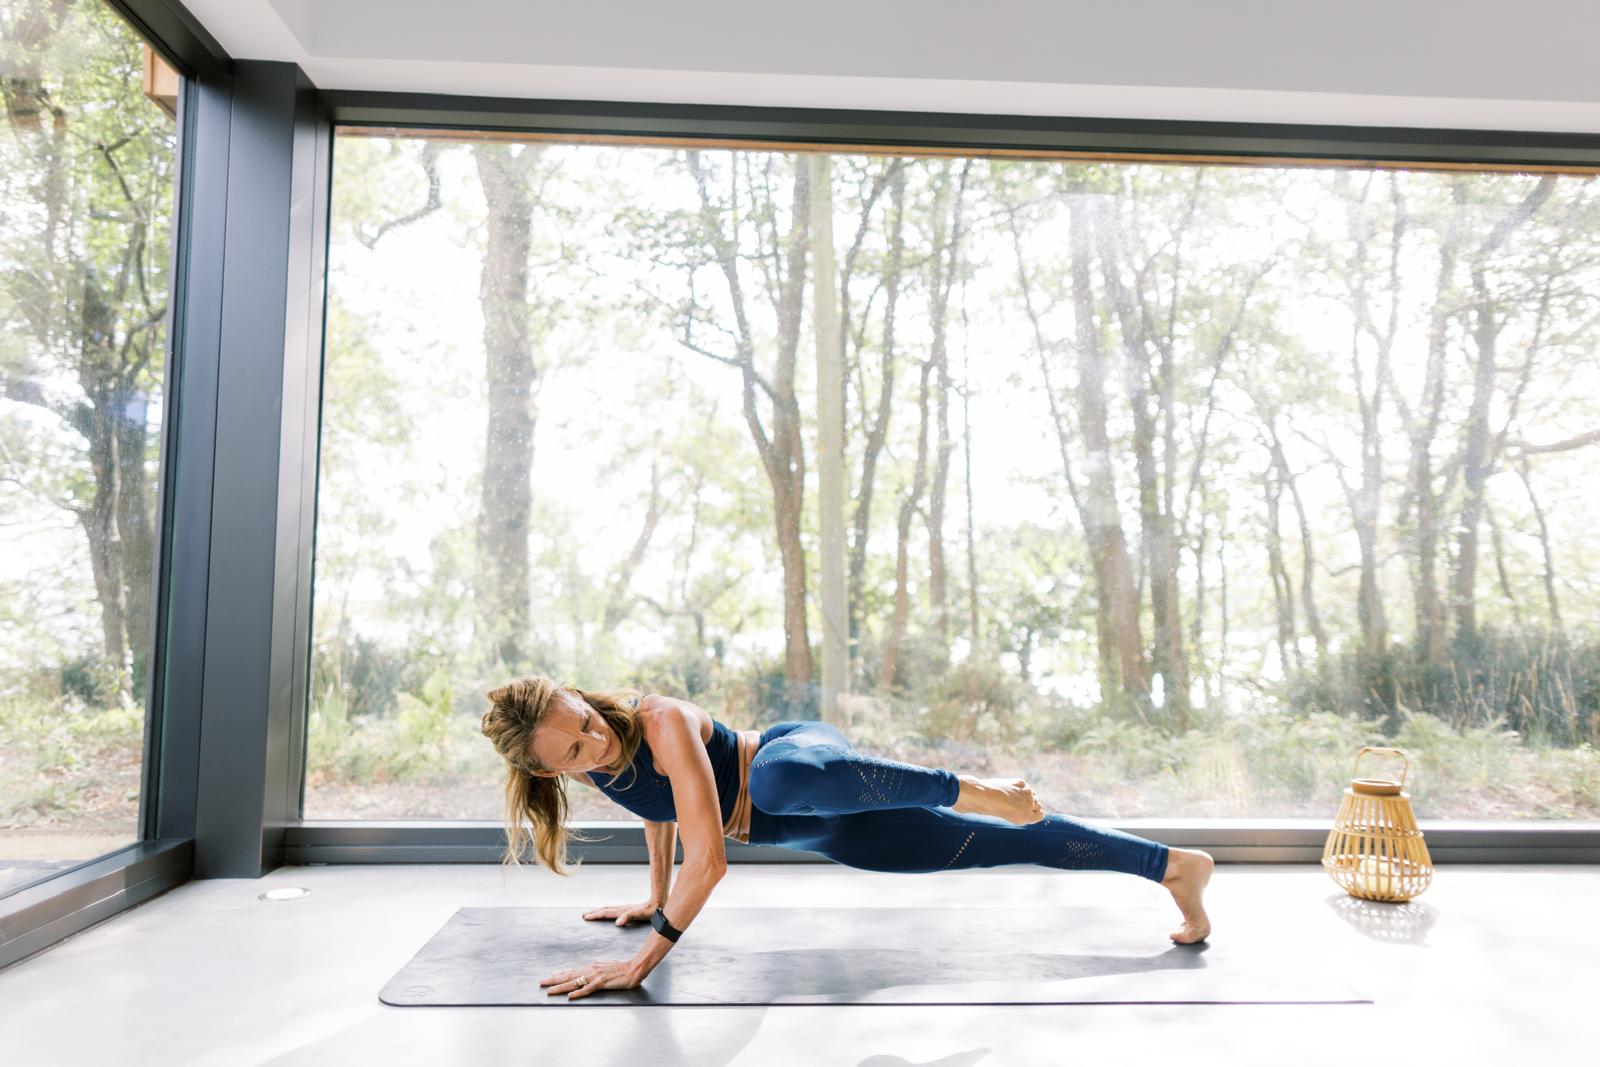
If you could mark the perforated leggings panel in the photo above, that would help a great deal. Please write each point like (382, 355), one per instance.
(811, 768)
(805, 801)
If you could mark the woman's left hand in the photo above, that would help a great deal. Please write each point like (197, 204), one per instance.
(600, 974)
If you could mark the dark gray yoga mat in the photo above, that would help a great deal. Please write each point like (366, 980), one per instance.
(497, 956)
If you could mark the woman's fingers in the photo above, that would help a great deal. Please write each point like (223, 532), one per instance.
(598, 982)
(623, 913)
(600, 974)
(567, 981)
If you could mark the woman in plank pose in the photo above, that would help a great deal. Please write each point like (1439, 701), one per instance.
(798, 785)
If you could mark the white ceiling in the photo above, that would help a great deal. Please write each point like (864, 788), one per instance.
(1484, 64)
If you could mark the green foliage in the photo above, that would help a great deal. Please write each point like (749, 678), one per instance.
(424, 729)
(335, 743)
(1285, 765)
(1302, 756)
(425, 741)
(1129, 749)
(978, 703)
(1542, 686)
(91, 680)
(54, 750)
(1574, 775)
(1454, 764)
(367, 675)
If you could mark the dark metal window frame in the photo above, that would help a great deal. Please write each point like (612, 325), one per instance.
(966, 133)
(239, 450)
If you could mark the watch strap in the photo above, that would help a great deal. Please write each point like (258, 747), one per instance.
(664, 928)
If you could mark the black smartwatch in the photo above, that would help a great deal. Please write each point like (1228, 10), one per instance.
(664, 928)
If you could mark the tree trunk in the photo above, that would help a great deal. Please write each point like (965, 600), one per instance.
(1429, 606)
(782, 453)
(1545, 550)
(1500, 567)
(106, 550)
(1108, 669)
(1197, 620)
(974, 631)
(1365, 499)
(1155, 522)
(1222, 607)
(1102, 520)
(617, 600)
(878, 428)
(1308, 558)
(788, 466)
(851, 331)
(135, 504)
(830, 438)
(908, 508)
(948, 202)
(1278, 575)
(1477, 463)
(506, 496)
(1195, 502)
(1475, 454)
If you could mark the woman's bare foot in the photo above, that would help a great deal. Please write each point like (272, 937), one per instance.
(1188, 871)
(1010, 799)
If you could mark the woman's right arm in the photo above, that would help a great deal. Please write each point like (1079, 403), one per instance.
(662, 839)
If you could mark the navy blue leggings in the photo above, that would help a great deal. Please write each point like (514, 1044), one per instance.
(813, 791)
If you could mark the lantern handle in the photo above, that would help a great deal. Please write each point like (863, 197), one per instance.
(1405, 761)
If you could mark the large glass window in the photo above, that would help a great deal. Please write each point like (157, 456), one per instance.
(88, 165)
(1166, 485)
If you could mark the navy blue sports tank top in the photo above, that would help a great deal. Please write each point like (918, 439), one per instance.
(647, 792)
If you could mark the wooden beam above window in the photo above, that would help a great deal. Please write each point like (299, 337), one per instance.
(160, 82)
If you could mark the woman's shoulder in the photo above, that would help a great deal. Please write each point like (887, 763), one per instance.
(653, 709)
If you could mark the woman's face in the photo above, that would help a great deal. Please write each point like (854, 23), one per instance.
(573, 737)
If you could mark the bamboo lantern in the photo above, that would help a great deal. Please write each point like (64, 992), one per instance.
(1375, 850)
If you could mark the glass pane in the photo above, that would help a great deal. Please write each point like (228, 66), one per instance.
(88, 162)
(1167, 487)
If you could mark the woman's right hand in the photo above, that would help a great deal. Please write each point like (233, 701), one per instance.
(624, 913)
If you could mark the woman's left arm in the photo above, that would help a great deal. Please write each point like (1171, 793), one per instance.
(681, 755)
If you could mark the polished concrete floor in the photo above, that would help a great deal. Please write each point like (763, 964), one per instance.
(1492, 965)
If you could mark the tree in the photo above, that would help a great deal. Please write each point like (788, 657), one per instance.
(1489, 315)
(875, 421)
(506, 501)
(723, 226)
(950, 186)
(826, 331)
(1101, 513)
(85, 281)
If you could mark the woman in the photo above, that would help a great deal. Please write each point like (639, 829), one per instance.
(798, 785)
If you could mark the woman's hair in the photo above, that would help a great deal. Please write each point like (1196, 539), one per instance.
(517, 712)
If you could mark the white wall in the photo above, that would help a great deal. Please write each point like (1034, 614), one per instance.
(1527, 64)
